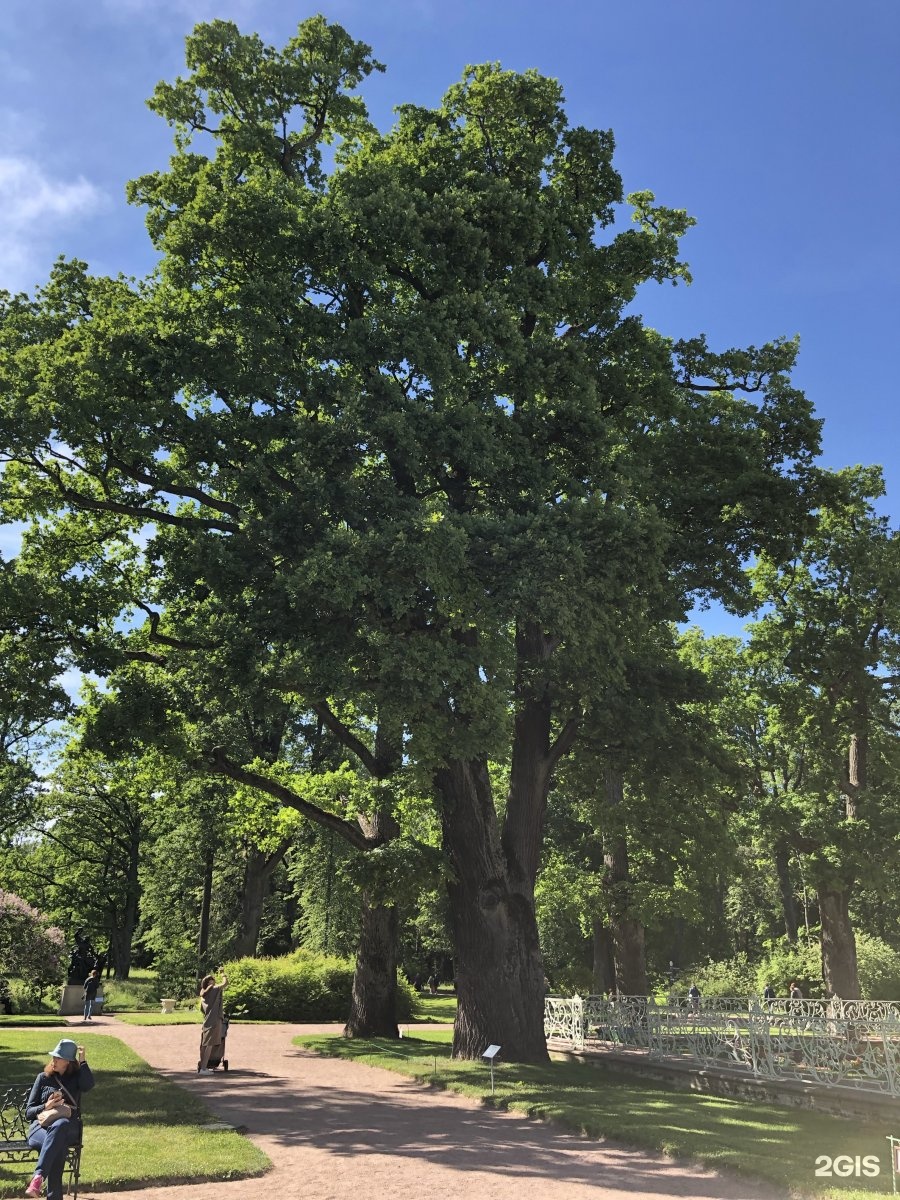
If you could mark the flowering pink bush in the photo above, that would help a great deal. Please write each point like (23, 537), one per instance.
(31, 949)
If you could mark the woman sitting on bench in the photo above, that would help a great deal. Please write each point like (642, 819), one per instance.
(53, 1109)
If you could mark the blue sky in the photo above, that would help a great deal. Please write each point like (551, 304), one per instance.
(775, 123)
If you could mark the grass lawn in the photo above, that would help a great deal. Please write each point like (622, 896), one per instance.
(189, 1017)
(759, 1140)
(439, 1008)
(140, 1129)
(31, 1019)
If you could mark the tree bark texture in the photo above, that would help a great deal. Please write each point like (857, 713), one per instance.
(838, 944)
(782, 858)
(499, 970)
(627, 930)
(839, 966)
(123, 935)
(259, 868)
(373, 1002)
(603, 978)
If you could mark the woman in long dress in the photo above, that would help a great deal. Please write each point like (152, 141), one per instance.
(212, 1007)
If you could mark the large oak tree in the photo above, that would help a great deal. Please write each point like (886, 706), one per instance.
(386, 412)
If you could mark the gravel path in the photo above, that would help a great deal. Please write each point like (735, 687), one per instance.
(335, 1130)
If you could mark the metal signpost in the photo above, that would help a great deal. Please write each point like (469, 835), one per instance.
(490, 1054)
(895, 1161)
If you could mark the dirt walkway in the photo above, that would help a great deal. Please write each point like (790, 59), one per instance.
(336, 1130)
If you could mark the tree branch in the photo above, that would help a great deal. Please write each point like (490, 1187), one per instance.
(347, 737)
(218, 761)
(563, 742)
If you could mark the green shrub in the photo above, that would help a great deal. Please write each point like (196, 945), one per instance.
(731, 977)
(785, 962)
(879, 968)
(298, 987)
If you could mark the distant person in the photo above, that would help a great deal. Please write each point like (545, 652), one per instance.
(212, 1005)
(794, 992)
(694, 997)
(53, 1109)
(433, 984)
(89, 994)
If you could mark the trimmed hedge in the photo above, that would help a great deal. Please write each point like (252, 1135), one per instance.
(298, 987)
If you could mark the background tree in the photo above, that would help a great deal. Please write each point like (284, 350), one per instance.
(833, 628)
(32, 698)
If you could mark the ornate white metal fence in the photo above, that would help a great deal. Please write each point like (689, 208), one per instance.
(832, 1043)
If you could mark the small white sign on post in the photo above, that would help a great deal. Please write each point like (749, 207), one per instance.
(490, 1054)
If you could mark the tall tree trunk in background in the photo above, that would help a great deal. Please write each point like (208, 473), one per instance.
(373, 1003)
(839, 966)
(205, 909)
(259, 867)
(124, 933)
(627, 930)
(603, 978)
(838, 944)
(782, 859)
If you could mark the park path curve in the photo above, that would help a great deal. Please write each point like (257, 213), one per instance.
(338, 1130)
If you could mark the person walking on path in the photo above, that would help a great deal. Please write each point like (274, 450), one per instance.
(212, 1005)
(58, 1089)
(90, 993)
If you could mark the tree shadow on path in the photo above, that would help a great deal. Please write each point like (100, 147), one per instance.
(402, 1119)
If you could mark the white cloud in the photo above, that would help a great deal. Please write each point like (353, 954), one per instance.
(34, 207)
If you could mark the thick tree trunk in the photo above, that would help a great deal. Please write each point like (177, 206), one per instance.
(499, 970)
(373, 1003)
(627, 930)
(838, 944)
(604, 972)
(258, 871)
(373, 1006)
(123, 936)
(782, 857)
(839, 967)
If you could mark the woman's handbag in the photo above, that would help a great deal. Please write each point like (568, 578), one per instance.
(56, 1112)
(49, 1116)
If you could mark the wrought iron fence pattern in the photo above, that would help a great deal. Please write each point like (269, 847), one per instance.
(831, 1043)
